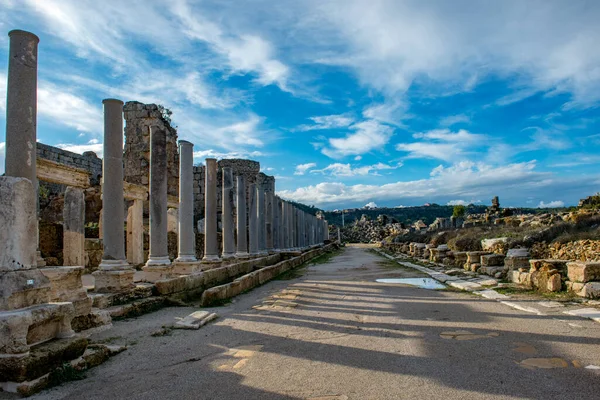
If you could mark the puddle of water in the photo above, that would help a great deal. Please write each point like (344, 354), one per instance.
(524, 348)
(423, 283)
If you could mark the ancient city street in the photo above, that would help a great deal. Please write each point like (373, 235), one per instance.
(332, 332)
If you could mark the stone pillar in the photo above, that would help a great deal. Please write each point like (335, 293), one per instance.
(21, 106)
(211, 244)
(269, 214)
(187, 240)
(290, 208)
(262, 222)
(158, 265)
(135, 233)
(276, 221)
(74, 227)
(339, 235)
(114, 273)
(186, 262)
(227, 215)
(284, 221)
(253, 234)
(21, 111)
(294, 215)
(326, 229)
(241, 223)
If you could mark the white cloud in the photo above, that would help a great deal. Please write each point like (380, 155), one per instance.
(367, 135)
(552, 204)
(464, 179)
(92, 145)
(371, 205)
(200, 156)
(302, 168)
(346, 170)
(357, 158)
(328, 122)
(462, 202)
(390, 44)
(443, 144)
(455, 119)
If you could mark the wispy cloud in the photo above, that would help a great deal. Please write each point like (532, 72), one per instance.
(443, 144)
(327, 122)
(551, 204)
(366, 136)
(302, 168)
(346, 170)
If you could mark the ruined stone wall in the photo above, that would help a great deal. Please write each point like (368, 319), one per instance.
(136, 158)
(88, 161)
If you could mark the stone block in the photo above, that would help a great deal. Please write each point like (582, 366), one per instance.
(554, 283)
(590, 290)
(66, 285)
(579, 271)
(492, 260)
(113, 281)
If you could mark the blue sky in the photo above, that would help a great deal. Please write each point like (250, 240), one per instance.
(345, 102)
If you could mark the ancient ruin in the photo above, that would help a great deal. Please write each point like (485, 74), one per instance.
(224, 217)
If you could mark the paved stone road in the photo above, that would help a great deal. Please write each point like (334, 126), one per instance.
(334, 333)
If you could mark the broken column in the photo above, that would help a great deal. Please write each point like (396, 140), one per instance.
(211, 244)
(241, 224)
(253, 234)
(158, 265)
(74, 227)
(186, 262)
(114, 273)
(227, 214)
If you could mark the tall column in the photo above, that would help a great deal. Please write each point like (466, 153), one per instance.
(158, 265)
(135, 233)
(294, 228)
(21, 106)
(326, 230)
(21, 112)
(211, 244)
(114, 273)
(227, 215)
(253, 234)
(241, 222)
(186, 262)
(262, 222)
(284, 221)
(276, 222)
(291, 225)
(74, 227)
(269, 224)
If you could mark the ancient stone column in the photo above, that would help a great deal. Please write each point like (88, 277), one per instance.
(269, 216)
(158, 265)
(262, 222)
(294, 228)
(187, 239)
(326, 229)
(74, 227)
(227, 215)
(241, 222)
(21, 106)
(211, 244)
(284, 220)
(253, 233)
(291, 225)
(135, 233)
(114, 273)
(276, 221)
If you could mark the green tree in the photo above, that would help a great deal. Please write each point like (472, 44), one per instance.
(459, 211)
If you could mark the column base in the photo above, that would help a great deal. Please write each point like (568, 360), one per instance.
(227, 256)
(111, 281)
(40, 260)
(157, 268)
(242, 255)
(211, 259)
(181, 267)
